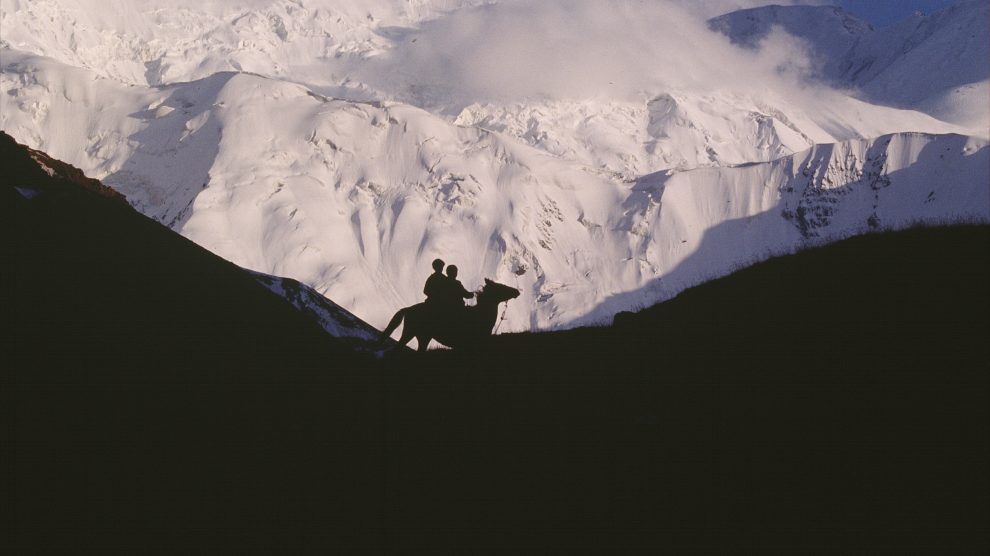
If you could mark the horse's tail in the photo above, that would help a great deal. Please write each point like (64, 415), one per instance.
(394, 323)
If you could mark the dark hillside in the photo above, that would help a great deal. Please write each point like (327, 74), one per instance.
(831, 401)
(155, 397)
(96, 286)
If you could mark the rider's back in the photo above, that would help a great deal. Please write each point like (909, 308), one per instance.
(435, 288)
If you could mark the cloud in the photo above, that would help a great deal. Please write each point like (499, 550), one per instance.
(577, 49)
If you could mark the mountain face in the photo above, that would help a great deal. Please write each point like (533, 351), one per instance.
(936, 63)
(294, 139)
(830, 30)
(166, 41)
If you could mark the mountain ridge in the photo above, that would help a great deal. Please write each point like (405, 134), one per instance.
(882, 65)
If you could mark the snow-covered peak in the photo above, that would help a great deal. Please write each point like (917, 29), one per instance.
(830, 29)
(941, 58)
(166, 41)
(936, 63)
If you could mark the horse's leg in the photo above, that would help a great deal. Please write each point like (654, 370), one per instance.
(424, 342)
(406, 336)
(394, 323)
(404, 339)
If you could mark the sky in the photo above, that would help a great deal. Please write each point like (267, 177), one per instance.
(881, 13)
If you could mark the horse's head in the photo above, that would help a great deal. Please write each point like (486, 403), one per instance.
(497, 293)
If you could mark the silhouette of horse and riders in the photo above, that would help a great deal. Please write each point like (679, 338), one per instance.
(444, 317)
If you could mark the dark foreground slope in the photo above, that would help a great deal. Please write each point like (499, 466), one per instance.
(825, 402)
(96, 286)
(830, 400)
(154, 395)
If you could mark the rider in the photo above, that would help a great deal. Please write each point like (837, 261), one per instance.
(450, 310)
(435, 283)
(455, 293)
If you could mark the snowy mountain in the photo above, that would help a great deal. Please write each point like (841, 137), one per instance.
(936, 63)
(165, 41)
(346, 144)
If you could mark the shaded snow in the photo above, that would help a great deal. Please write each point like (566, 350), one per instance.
(936, 63)
(27, 192)
(332, 318)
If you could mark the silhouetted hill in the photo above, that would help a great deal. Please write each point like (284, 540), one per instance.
(890, 304)
(160, 400)
(826, 401)
(887, 305)
(156, 397)
(870, 304)
(98, 288)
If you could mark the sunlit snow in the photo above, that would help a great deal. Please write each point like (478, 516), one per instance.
(599, 156)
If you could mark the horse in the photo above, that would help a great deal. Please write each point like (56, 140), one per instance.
(457, 330)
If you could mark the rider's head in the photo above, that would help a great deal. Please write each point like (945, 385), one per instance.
(452, 271)
(438, 265)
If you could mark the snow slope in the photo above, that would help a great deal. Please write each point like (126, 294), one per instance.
(154, 42)
(681, 129)
(939, 63)
(589, 202)
(709, 221)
